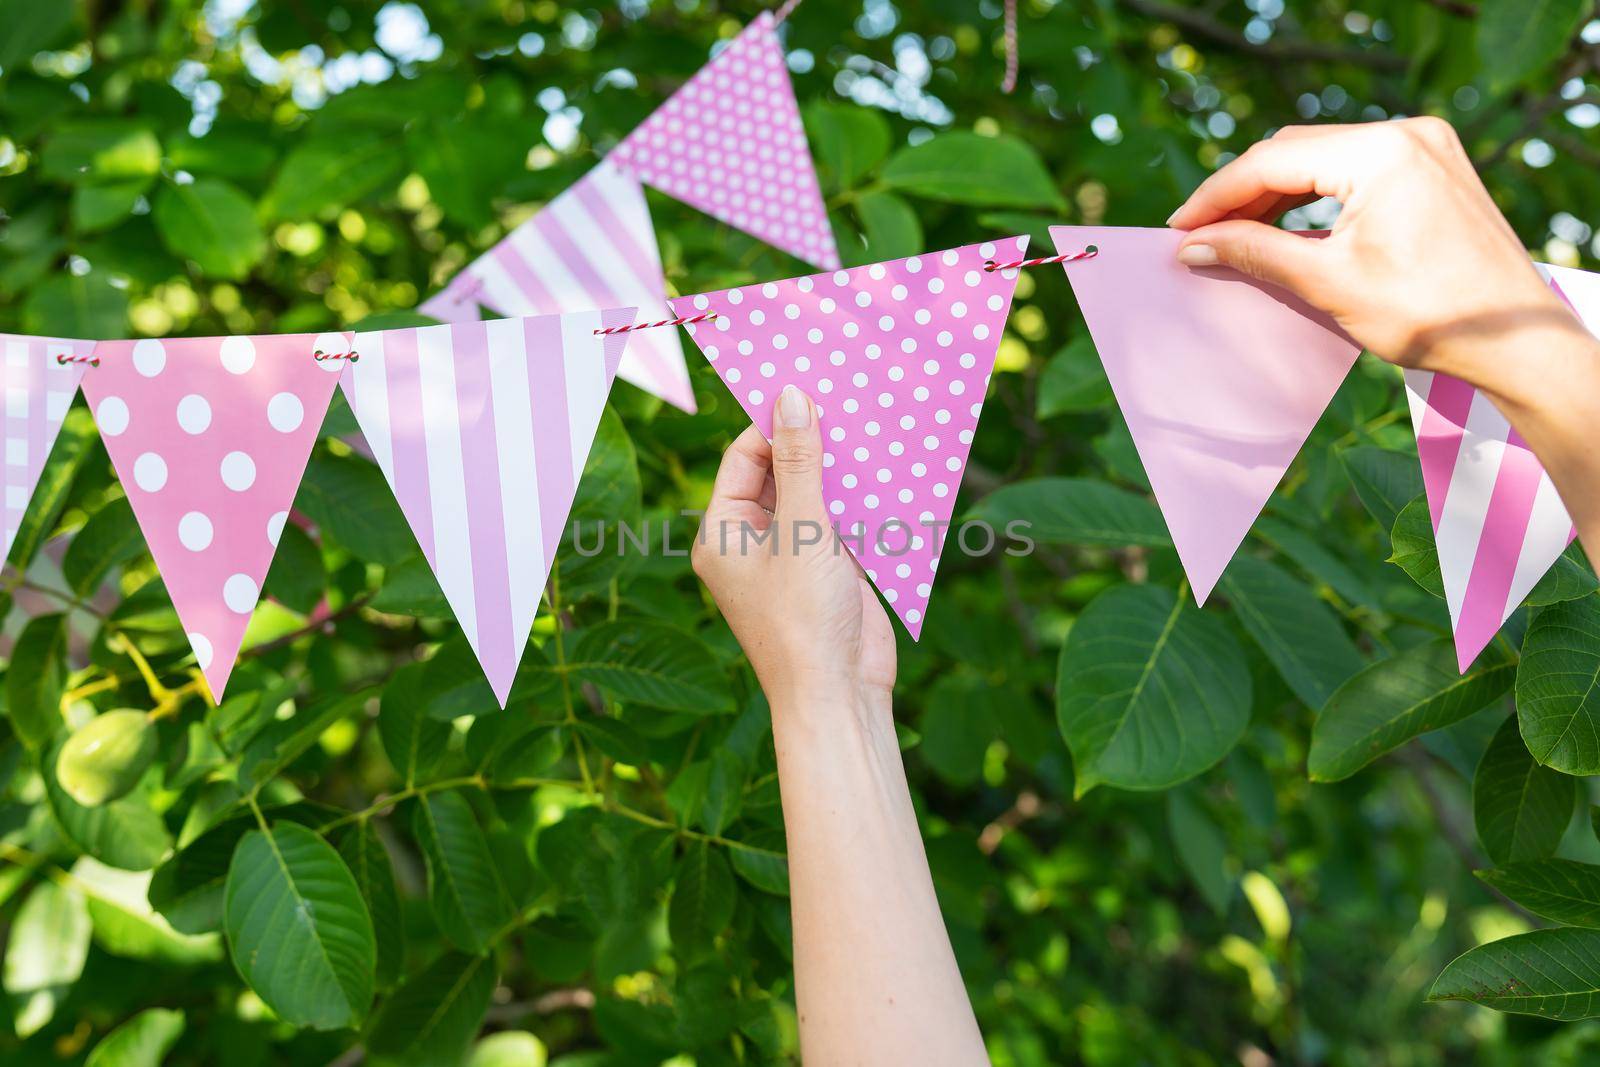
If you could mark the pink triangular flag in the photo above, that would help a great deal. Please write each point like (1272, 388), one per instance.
(730, 142)
(1220, 378)
(1497, 519)
(897, 357)
(591, 247)
(210, 436)
(482, 429)
(38, 376)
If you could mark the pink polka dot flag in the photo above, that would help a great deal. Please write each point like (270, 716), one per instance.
(730, 143)
(1221, 380)
(210, 437)
(1497, 519)
(38, 389)
(897, 357)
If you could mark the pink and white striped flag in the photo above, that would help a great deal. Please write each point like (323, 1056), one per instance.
(482, 429)
(1497, 519)
(210, 436)
(730, 142)
(38, 389)
(591, 247)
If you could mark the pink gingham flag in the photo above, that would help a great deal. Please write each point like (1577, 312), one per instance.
(210, 437)
(1497, 519)
(730, 143)
(591, 247)
(897, 357)
(38, 389)
(482, 429)
(1221, 380)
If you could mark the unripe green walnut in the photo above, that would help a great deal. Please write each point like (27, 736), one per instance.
(106, 757)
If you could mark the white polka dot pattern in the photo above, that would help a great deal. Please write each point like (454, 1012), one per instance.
(210, 436)
(899, 393)
(730, 143)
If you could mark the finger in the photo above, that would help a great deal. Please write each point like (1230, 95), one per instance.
(1268, 207)
(1296, 166)
(1263, 252)
(746, 469)
(797, 457)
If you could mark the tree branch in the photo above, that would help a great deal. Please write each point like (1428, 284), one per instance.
(1279, 50)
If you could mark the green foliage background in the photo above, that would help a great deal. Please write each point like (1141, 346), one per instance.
(357, 856)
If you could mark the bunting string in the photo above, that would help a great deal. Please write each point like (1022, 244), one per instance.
(681, 320)
(1066, 257)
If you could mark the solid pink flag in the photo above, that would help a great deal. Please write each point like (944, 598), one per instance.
(730, 143)
(897, 357)
(483, 429)
(1497, 519)
(38, 376)
(1220, 378)
(210, 436)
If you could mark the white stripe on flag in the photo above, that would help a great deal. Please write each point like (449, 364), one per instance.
(447, 474)
(370, 377)
(519, 480)
(1466, 504)
(584, 356)
(1549, 531)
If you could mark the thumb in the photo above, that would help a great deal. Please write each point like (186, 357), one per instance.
(1260, 251)
(797, 457)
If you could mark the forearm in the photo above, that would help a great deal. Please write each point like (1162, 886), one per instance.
(1552, 398)
(875, 977)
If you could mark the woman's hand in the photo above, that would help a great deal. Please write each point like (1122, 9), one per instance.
(794, 597)
(1420, 268)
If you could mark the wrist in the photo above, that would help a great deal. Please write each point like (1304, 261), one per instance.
(829, 700)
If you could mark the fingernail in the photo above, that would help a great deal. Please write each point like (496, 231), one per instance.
(793, 408)
(1198, 256)
(1174, 215)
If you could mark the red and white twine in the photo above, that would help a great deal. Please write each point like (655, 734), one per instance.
(682, 320)
(1066, 257)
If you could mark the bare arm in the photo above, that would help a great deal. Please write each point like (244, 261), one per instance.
(875, 977)
(1422, 270)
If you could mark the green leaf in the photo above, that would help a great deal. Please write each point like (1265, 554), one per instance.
(127, 833)
(126, 925)
(410, 588)
(1412, 692)
(282, 741)
(891, 226)
(1150, 690)
(297, 928)
(1521, 809)
(724, 797)
(967, 168)
(1073, 380)
(45, 953)
(100, 207)
(75, 443)
(363, 852)
(703, 898)
(1518, 38)
(348, 498)
(36, 678)
(1386, 481)
(469, 900)
(848, 142)
(467, 162)
(323, 174)
(1553, 973)
(959, 721)
(30, 27)
(212, 223)
(142, 1041)
(1564, 891)
(762, 862)
(1569, 578)
(1299, 633)
(413, 740)
(1558, 686)
(90, 306)
(1075, 511)
(1201, 848)
(101, 150)
(654, 664)
(297, 577)
(608, 495)
(1414, 548)
(432, 1018)
(110, 537)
